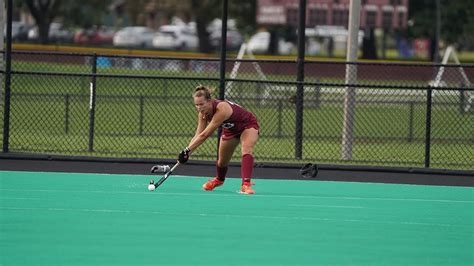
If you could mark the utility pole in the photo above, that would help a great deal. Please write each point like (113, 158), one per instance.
(437, 33)
(351, 79)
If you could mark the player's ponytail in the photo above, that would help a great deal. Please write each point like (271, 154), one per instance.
(201, 91)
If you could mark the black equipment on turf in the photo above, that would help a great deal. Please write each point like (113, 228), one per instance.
(309, 170)
(184, 155)
(167, 174)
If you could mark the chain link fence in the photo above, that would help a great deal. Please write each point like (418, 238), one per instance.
(141, 107)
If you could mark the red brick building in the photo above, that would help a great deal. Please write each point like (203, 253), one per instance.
(388, 14)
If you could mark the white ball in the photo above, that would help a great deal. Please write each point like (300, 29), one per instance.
(151, 187)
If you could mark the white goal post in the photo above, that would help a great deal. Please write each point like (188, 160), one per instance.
(437, 82)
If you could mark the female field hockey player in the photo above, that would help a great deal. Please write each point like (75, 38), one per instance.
(238, 126)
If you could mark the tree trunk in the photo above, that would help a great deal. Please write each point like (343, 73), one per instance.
(369, 47)
(202, 19)
(43, 31)
(203, 36)
(273, 43)
(44, 13)
(384, 44)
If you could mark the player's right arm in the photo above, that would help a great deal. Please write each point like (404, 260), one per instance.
(201, 126)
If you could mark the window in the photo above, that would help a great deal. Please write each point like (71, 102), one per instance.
(317, 16)
(292, 16)
(340, 17)
(401, 18)
(387, 20)
(370, 19)
(395, 2)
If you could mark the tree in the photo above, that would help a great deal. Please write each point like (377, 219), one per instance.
(135, 9)
(204, 11)
(243, 12)
(44, 13)
(457, 18)
(85, 13)
(457, 21)
(369, 46)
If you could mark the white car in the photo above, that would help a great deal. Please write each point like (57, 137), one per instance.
(57, 33)
(19, 31)
(260, 41)
(135, 36)
(234, 39)
(176, 37)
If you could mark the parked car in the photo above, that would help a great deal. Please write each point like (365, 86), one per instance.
(176, 37)
(19, 31)
(57, 33)
(95, 36)
(234, 39)
(135, 36)
(260, 41)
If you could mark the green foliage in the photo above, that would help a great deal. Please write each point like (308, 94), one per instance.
(85, 13)
(244, 12)
(457, 20)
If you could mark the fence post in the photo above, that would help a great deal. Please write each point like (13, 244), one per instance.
(66, 114)
(223, 60)
(428, 127)
(6, 111)
(300, 80)
(410, 122)
(92, 96)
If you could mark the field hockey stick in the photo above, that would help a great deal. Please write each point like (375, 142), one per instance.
(167, 174)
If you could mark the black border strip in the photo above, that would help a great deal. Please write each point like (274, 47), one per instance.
(332, 167)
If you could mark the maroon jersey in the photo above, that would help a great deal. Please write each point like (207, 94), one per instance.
(240, 120)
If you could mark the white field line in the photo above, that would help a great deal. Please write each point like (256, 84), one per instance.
(18, 198)
(326, 206)
(207, 194)
(235, 216)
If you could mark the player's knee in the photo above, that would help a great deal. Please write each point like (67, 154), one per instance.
(247, 150)
(221, 163)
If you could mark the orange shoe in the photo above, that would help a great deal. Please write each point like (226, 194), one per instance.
(246, 189)
(213, 183)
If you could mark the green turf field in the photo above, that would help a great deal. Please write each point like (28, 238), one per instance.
(99, 219)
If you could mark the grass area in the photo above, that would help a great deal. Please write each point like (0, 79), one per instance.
(339, 55)
(160, 127)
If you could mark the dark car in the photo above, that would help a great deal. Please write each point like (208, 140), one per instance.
(95, 36)
(19, 31)
(57, 33)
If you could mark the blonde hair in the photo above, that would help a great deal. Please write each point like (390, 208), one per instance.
(203, 91)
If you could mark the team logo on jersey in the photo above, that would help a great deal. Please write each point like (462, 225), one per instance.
(228, 125)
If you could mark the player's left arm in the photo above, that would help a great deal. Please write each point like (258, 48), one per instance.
(223, 112)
